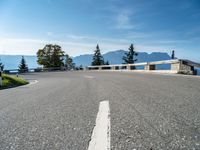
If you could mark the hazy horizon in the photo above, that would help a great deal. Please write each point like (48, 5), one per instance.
(88, 53)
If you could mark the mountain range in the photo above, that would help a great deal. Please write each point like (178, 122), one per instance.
(115, 57)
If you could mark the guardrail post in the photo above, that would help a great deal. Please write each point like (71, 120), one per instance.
(150, 67)
(175, 66)
(1, 80)
(185, 68)
(128, 67)
(147, 66)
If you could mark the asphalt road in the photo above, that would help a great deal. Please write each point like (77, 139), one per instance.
(147, 111)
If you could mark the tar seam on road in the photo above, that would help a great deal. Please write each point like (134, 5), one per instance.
(89, 77)
(100, 139)
(32, 82)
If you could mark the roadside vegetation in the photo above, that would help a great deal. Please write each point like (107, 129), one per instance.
(52, 56)
(10, 81)
(97, 57)
(129, 57)
(23, 67)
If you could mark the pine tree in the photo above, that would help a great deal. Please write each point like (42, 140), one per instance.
(23, 66)
(107, 63)
(129, 56)
(173, 55)
(1, 65)
(81, 67)
(97, 57)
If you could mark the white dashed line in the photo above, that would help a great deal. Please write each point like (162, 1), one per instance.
(100, 139)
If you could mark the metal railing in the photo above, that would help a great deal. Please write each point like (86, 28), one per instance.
(1, 80)
(14, 71)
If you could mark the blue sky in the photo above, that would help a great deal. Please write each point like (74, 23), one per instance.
(78, 25)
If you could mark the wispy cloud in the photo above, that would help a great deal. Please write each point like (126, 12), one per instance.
(184, 5)
(137, 35)
(121, 15)
(20, 46)
(75, 44)
(123, 20)
(49, 33)
(84, 38)
(73, 48)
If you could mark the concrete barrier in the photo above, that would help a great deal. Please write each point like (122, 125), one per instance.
(176, 66)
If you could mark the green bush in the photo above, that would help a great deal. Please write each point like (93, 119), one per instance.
(12, 81)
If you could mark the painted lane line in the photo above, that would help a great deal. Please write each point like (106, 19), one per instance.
(89, 77)
(100, 139)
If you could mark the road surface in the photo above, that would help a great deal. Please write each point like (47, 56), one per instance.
(147, 111)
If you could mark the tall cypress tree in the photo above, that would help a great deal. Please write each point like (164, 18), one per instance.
(97, 57)
(23, 66)
(107, 63)
(129, 57)
(1, 65)
(173, 55)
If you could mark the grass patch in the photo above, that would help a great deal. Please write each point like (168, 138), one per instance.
(12, 81)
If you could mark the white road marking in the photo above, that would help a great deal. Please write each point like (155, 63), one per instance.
(88, 77)
(100, 139)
